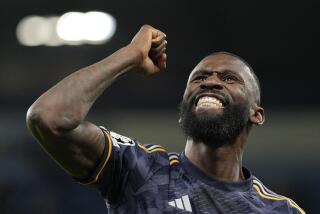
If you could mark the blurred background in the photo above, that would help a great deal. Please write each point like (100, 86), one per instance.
(41, 44)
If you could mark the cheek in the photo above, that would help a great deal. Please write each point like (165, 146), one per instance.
(240, 95)
(190, 89)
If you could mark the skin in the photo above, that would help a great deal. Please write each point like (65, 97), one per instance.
(57, 119)
(229, 76)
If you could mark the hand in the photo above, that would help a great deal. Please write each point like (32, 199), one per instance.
(151, 43)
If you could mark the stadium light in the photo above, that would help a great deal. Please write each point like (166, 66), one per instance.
(72, 28)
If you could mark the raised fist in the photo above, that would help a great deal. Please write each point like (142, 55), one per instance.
(151, 43)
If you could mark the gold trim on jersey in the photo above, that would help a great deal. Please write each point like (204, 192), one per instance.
(264, 194)
(174, 161)
(157, 149)
(96, 178)
(173, 158)
(108, 155)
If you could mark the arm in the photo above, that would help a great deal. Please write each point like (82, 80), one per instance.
(57, 118)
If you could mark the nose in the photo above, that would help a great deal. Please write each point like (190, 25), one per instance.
(212, 82)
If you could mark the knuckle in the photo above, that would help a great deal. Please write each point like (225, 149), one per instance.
(146, 26)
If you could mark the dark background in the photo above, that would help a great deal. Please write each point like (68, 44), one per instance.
(279, 40)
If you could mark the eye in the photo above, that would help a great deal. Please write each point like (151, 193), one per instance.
(199, 78)
(229, 79)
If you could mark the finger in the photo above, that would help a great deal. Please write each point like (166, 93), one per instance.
(155, 52)
(148, 28)
(162, 61)
(156, 33)
(161, 46)
(149, 31)
(158, 40)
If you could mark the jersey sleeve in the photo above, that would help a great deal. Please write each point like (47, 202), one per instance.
(124, 167)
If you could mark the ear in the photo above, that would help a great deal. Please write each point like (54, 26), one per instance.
(257, 115)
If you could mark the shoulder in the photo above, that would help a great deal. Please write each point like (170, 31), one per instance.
(160, 154)
(127, 145)
(267, 194)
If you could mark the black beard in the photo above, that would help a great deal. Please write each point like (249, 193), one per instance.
(214, 131)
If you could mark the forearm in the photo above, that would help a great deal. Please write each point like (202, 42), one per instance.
(65, 105)
(57, 118)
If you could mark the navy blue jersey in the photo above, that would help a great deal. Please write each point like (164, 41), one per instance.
(142, 178)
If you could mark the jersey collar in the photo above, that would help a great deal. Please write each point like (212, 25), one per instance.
(198, 174)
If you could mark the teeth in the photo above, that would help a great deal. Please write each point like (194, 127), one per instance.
(209, 102)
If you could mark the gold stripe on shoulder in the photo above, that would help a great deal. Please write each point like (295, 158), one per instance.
(159, 149)
(173, 162)
(262, 193)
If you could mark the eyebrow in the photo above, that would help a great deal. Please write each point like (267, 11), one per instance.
(206, 72)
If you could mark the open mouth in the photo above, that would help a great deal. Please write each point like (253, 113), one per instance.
(209, 101)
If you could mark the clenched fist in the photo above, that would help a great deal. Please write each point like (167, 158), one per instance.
(151, 44)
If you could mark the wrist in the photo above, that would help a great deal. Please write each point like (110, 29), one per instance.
(135, 54)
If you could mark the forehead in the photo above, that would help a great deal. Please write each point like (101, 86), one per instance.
(223, 62)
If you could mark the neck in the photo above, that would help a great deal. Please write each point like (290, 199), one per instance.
(223, 163)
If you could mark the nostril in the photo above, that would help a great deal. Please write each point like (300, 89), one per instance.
(208, 85)
(218, 86)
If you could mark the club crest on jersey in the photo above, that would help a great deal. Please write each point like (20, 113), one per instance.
(120, 140)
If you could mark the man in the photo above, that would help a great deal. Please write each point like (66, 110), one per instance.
(220, 104)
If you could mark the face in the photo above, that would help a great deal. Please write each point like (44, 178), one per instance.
(218, 101)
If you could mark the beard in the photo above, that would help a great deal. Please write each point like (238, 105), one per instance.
(211, 129)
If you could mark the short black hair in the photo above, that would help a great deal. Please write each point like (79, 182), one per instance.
(258, 88)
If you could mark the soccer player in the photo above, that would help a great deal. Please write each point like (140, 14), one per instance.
(220, 104)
